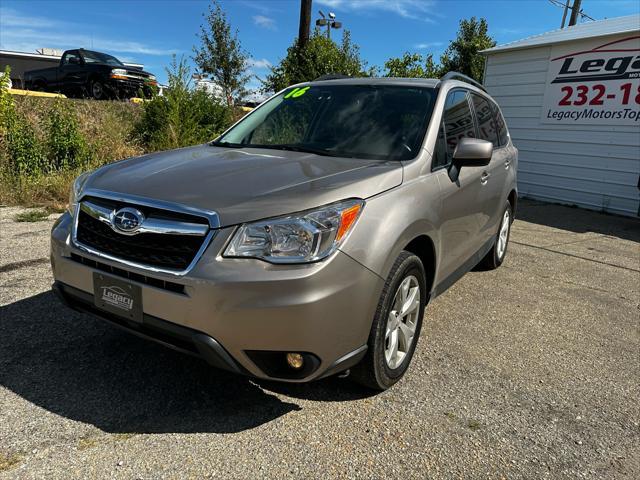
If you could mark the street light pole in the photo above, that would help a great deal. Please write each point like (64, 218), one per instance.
(328, 22)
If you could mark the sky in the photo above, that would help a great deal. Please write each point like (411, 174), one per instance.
(151, 31)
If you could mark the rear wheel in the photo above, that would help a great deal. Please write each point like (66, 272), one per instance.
(396, 325)
(38, 86)
(496, 255)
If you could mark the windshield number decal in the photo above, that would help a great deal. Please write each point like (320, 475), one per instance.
(297, 92)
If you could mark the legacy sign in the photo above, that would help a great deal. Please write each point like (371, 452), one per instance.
(596, 84)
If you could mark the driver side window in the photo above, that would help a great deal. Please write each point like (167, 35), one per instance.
(67, 59)
(457, 123)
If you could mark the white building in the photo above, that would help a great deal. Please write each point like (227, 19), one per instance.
(571, 98)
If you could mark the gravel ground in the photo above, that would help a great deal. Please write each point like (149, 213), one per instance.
(530, 371)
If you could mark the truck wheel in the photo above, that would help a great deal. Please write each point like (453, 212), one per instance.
(396, 325)
(38, 86)
(97, 90)
(496, 255)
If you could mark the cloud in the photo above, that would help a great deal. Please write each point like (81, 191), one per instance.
(415, 9)
(264, 22)
(11, 18)
(258, 63)
(424, 46)
(28, 33)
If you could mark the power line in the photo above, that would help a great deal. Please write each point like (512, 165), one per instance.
(575, 11)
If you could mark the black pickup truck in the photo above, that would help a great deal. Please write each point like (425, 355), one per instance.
(94, 74)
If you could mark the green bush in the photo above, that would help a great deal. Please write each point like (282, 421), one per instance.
(26, 156)
(22, 149)
(182, 116)
(65, 145)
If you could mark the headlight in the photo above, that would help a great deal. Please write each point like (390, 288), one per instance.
(299, 238)
(76, 190)
(118, 71)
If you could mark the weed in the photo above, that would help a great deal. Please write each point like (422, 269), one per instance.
(474, 425)
(87, 442)
(8, 461)
(32, 216)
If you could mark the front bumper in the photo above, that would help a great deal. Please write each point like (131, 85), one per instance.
(228, 309)
(121, 87)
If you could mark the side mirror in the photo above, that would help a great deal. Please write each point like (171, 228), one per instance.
(74, 61)
(472, 152)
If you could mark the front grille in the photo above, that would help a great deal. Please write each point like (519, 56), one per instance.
(165, 251)
(152, 281)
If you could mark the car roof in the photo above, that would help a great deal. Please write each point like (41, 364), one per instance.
(413, 82)
(405, 82)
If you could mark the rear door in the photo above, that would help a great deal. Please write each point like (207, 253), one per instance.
(462, 200)
(495, 174)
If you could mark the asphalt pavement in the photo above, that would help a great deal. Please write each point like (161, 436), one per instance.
(529, 371)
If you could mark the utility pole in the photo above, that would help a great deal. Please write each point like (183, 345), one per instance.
(305, 22)
(575, 12)
(564, 14)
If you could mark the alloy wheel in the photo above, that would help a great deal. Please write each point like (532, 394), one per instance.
(503, 236)
(402, 322)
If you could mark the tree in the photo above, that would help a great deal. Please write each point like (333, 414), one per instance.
(412, 65)
(462, 54)
(320, 56)
(220, 55)
(182, 116)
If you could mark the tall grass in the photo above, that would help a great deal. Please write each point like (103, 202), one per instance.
(45, 143)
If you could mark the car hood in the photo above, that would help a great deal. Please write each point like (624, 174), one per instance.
(246, 184)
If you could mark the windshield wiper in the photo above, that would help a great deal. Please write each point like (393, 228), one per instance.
(302, 148)
(226, 144)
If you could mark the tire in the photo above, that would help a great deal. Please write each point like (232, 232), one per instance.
(379, 369)
(97, 90)
(38, 86)
(498, 252)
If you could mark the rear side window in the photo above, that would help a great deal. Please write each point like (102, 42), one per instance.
(486, 120)
(501, 126)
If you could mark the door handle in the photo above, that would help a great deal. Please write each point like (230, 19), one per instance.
(484, 178)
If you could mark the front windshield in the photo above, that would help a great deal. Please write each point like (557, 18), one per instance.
(97, 57)
(378, 122)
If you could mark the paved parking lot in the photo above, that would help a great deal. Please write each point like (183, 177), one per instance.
(531, 371)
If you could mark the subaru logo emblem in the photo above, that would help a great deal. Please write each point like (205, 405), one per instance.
(127, 220)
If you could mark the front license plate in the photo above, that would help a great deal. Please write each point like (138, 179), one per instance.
(117, 296)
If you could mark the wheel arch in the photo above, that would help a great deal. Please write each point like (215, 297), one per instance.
(513, 200)
(423, 247)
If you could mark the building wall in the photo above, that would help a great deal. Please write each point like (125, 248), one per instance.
(21, 64)
(592, 166)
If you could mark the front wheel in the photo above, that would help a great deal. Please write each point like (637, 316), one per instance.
(97, 90)
(396, 325)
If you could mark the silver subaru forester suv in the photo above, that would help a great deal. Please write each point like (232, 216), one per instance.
(308, 238)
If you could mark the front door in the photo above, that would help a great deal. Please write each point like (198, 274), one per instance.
(70, 73)
(461, 200)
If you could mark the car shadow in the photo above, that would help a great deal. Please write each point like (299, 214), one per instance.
(75, 366)
(578, 220)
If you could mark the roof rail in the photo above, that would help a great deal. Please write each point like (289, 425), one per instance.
(462, 78)
(331, 76)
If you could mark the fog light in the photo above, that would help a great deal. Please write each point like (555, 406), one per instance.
(295, 360)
